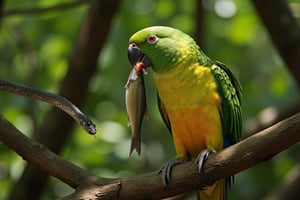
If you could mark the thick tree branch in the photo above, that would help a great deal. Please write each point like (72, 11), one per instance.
(247, 153)
(40, 156)
(284, 31)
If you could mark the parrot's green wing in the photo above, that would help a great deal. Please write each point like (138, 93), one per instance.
(163, 113)
(230, 92)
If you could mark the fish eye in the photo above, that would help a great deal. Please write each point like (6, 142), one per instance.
(133, 45)
(152, 39)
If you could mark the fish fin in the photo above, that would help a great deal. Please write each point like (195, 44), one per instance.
(135, 144)
(128, 121)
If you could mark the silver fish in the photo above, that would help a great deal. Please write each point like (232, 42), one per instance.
(135, 99)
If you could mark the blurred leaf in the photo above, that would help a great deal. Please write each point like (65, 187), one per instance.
(239, 40)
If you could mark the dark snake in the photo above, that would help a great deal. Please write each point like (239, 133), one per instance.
(56, 100)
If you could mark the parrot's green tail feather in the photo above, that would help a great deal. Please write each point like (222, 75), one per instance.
(215, 192)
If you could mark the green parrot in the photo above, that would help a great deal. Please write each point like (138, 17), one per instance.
(199, 98)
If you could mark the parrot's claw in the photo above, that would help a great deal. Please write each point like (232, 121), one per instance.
(166, 170)
(201, 158)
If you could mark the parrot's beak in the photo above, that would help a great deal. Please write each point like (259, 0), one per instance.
(136, 57)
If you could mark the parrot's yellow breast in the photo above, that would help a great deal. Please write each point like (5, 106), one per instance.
(192, 104)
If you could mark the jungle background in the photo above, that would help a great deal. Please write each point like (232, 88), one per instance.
(43, 44)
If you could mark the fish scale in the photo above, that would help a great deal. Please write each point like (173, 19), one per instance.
(135, 99)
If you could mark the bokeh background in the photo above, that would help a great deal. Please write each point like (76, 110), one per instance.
(36, 48)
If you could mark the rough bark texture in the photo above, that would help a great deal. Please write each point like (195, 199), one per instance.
(259, 147)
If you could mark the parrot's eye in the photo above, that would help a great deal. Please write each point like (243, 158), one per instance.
(152, 39)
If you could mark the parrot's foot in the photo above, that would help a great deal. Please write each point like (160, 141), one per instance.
(203, 155)
(166, 169)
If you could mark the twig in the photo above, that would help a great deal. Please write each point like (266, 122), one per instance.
(42, 10)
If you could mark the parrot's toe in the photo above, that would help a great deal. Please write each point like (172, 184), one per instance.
(166, 169)
(203, 155)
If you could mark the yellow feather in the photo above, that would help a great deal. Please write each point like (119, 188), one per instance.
(193, 109)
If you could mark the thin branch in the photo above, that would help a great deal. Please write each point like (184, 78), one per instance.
(42, 10)
(247, 153)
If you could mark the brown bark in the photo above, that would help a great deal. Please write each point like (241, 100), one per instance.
(259, 147)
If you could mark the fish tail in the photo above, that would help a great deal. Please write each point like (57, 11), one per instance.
(217, 191)
(135, 144)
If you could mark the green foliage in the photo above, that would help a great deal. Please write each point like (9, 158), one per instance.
(35, 51)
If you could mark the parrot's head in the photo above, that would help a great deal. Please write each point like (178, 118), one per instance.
(162, 48)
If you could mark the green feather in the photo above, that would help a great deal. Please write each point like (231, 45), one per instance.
(230, 91)
(179, 49)
(174, 49)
